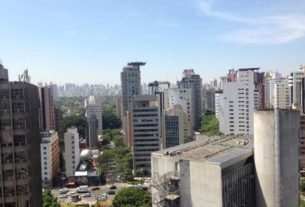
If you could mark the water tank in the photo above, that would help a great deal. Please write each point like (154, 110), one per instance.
(85, 154)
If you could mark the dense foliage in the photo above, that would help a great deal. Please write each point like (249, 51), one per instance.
(116, 161)
(49, 200)
(110, 119)
(210, 125)
(132, 197)
(78, 121)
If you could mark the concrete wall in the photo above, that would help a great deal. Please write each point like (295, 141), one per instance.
(276, 155)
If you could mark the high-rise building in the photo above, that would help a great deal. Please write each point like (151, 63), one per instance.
(235, 105)
(20, 143)
(47, 108)
(184, 98)
(94, 107)
(194, 82)
(282, 95)
(130, 83)
(295, 84)
(72, 152)
(93, 132)
(145, 134)
(276, 150)
(175, 127)
(118, 106)
(49, 149)
(157, 87)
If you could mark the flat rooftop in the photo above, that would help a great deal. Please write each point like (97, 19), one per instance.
(214, 149)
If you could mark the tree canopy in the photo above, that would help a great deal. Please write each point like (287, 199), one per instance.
(49, 200)
(210, 125)
(132, 197)
(110, 119)
(78, 121)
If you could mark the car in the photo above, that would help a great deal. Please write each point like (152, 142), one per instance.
(63, 196)
(113, 187)
(102, 197)
(95, 189)
(82, 189)
(63, 191)
(111, 192)
(85, 195)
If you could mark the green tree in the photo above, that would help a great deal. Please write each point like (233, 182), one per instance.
(210, 125)
(302, 185)
(78, 121)
(49, 200)
(302, 203)
(131, 196)
(110, 119)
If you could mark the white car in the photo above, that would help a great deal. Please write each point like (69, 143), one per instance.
(102, 197)
(63, 191)
(85, 195)
(63, 196)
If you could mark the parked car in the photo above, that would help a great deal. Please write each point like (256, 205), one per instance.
(111, 192)
(113, 187)
(63, 196)
(82, 189)
(85, 195)
(95, 189)
(63, 191)
(102, 197)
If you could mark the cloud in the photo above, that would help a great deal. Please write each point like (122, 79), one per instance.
(268, 29)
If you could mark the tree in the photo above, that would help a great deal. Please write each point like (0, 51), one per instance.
(210, 125)
(78, 121)
(49, 200)
(110, 119)
(132, 196)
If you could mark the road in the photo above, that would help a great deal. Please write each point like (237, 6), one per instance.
(90, 200)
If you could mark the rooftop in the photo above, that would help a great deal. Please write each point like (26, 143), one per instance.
(212, 149)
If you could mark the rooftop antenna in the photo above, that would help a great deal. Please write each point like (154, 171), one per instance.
(25, 76)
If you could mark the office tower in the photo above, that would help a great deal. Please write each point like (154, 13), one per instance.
(271, 79)
(93, 132)
(47, 108)
(157, 86)
(194, 82)
(72, 151)
(20, 143)
(49, 149)
(94, 107)
(59, 123)
(276, 150)
(295, 84)
(208, 99)
(144, 127)
(184, 98)
(118, 106)
(175, 127)
(217, 172)
(130, 83)
(235, 105)
(282, 95)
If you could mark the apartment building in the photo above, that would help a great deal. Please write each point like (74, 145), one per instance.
(47, 108)
(72, 152)
(49, 150)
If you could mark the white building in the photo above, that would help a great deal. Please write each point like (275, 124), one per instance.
(295, 84)
(72, 152)
(236, 104)
(271, 79)
(95, 107)
(282, 95)
(182, 97)
(49, 150)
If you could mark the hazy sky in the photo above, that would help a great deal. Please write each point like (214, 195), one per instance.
(91, 40)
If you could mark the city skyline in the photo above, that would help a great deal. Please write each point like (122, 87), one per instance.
(90, 43)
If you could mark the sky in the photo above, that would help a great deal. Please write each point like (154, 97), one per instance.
(90, 41)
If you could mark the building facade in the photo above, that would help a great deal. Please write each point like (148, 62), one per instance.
(194, 82)
(72, 152)
(95, 107)
(49, 150)
(47, 108)
(20, 143)
(235, 105)
(144, 126)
